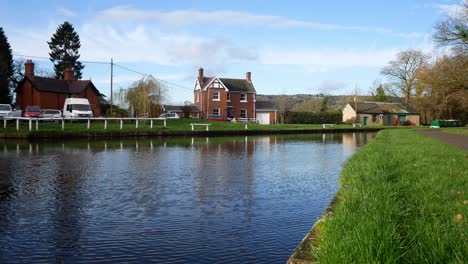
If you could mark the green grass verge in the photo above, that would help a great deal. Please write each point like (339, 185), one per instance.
(182, 124)
(398, 203)
(456, 130)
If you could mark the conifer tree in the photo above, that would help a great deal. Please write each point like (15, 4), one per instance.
(6, 68)
(64, 46)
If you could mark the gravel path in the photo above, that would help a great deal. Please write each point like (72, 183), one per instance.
(456, 140)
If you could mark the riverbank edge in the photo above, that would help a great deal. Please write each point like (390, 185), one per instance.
(302, 253)
(170, 133)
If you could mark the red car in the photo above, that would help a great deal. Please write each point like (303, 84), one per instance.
(33, 111)
(217, 118)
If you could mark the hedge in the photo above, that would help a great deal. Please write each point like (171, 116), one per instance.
(314, 118)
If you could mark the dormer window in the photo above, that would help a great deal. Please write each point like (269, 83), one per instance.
(243, 97)
(215, 96)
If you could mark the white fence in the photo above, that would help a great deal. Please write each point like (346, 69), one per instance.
(63, 120)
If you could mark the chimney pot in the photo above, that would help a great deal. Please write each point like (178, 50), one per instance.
(248, 76)
(29, 68)
(200, 75)
(68, 74)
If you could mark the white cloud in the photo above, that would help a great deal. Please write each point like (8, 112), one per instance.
(227, 17)
(453, 10)
(322, 60)
(65, 12)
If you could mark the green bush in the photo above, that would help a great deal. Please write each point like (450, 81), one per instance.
(314, 118)
(117, 112)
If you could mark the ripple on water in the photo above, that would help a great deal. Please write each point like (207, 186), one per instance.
(227, 201)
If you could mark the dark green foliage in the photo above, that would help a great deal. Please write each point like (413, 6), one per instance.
(116, 112)
(379, 95)
(314, 118)
(64, 46)
(6, 68)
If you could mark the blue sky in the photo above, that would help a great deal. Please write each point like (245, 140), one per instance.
(289, 46)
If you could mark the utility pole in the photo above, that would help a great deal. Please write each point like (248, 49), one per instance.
(111, 82)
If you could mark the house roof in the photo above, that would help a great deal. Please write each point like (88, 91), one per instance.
(382, 108)
(233, 85)
(60, 86)
(265, 106)
(180, 108)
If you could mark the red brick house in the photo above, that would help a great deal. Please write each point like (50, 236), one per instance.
(50, 93)
(232, 98)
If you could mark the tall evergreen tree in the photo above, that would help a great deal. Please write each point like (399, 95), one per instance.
(6, 68)
(64, 46)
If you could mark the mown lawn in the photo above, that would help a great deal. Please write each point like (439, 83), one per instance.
(182, 124)
(403, 199)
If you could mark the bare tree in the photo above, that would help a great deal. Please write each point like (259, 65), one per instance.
(284, 103)
(402, 72)
(453, 31)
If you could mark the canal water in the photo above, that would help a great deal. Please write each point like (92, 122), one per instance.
(184, 200)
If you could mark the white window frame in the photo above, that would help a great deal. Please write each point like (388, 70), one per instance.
(216, 85)
(245, 112)
(216, 98)
(245, 97)
(216, 110)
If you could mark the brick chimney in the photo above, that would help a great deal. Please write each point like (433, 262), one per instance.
(200, 75)
(68, 74)
(248, 76)
(29, 68)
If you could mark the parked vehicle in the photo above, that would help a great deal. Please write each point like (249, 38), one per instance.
(33, 111)
(6, 111)
(218, 118)
(51, 113)
(170, 116)
(77, 107)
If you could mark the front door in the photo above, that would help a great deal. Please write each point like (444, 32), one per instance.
(389, 120)
(229, 112)
(365, 120)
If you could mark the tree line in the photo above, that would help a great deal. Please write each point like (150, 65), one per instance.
(437, 87)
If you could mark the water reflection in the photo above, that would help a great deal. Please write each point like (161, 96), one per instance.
(205, 200)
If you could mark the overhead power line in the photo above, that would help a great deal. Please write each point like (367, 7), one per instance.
(109, 63)
(144, 74)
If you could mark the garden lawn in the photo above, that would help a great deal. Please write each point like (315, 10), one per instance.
(403, 199)
(183, 124)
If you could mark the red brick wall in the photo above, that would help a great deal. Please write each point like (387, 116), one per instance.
(47, 100)
(206, 103)
(237, 105)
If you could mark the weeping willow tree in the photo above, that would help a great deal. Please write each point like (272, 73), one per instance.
(143, 98)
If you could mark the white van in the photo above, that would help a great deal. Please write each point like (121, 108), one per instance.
(77, 107)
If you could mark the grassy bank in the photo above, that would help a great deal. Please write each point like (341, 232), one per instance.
(144, 126)
(403, 199)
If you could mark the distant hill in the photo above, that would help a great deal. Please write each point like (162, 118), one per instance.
(334, 101)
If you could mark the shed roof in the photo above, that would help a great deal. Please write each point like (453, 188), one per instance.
(382, 108)
(265, 106)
